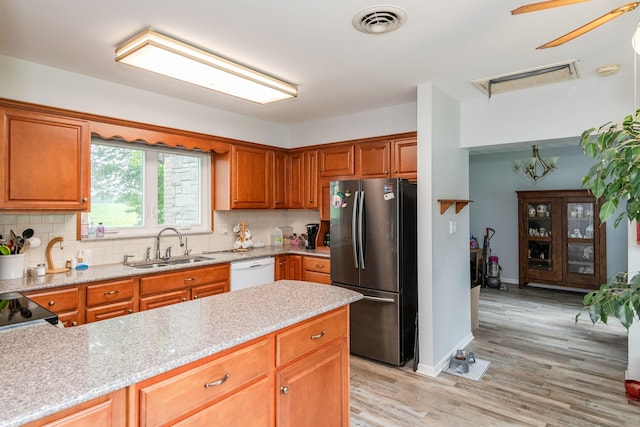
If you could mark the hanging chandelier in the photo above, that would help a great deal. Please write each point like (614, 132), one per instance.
(535, 167)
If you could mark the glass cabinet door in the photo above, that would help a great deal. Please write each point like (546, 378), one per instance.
(580, 238)
(540, 246)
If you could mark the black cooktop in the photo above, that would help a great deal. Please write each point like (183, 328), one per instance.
(16, 309)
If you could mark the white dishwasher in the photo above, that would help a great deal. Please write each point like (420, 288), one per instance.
(252, 272)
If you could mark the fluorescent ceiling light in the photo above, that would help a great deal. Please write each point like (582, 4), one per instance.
(163, 55)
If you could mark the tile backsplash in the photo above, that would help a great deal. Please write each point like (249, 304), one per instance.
(112, 250)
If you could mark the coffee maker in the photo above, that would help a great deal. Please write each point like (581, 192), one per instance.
(312, 233)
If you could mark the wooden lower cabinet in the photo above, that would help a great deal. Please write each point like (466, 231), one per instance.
(295, 267)
(282, 267)
(186, 394)
(109, 299)
(105, 411)
(312, 386)
(316, 269)
(310, 393)
(65, 302)
(171, 288)
(297, 376)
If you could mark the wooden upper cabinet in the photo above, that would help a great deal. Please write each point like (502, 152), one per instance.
(281, 162)
(337, 161)
(374, 159)
(45, 161)
(296, 176)
(310, 181)
(243, 178)
(405, 158)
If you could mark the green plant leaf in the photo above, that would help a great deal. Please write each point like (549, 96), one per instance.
(608, 209)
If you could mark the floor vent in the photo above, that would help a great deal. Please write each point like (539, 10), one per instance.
(528, 78)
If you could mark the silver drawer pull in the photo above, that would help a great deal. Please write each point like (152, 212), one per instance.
(52, 303)
(284, 389)
(115, 291)
(189, 279)
(320, 335)
(319, 266)
(219, 382)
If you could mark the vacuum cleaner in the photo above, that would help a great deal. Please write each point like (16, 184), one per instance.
(491, 266)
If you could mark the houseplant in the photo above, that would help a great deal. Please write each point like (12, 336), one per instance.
(615, 177)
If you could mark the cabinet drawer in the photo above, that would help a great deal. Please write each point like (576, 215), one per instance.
(319, 265)
(182, 279)
(209, 290)
(109, 311)
(312, 276)
(57, 301)
(161, 300)
(106, 293)
(170, 398)
(69, 319)
(302, 339)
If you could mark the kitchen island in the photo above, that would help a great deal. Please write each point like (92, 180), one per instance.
(48, 369)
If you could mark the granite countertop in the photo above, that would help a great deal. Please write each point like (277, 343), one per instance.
(48, 369)
(115, 271)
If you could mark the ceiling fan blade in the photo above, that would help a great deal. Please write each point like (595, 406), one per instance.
(591, 25)
(534, 7)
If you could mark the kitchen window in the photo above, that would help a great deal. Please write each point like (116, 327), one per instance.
(139, 189)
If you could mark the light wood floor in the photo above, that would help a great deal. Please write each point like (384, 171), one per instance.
(545, 371)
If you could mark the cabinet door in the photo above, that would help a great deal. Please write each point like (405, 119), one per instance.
(282, 267)
(295, 267)
(337, 161)
(28, 142)
(585, 263)
(374, 160)
(541, 251)
(109, 311)
(280, 180)
(310, 181)
(405, 158)
(250, 178)
(315, 390)
(325, 199)
(296, 181)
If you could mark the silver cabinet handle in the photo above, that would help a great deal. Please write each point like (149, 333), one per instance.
(184, 299)
(218, 382)
(195, 297)
(189, 279)
(320, 335)
(85, 199)
(113, 292)
(354, 230)
(319, 266)
(284, 389)
(130, 311)
(52, 303)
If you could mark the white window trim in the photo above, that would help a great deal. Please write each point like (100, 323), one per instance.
(150, 209)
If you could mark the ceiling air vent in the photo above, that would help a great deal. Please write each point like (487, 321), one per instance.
(379, 19)
(528, 78)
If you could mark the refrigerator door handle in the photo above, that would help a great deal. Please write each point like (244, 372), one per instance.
(378, 299)
(361, 229)
(354, 223)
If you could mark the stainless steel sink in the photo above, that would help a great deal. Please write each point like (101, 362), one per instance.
(187, 259)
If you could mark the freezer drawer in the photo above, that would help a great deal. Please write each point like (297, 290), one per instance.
(376, 331)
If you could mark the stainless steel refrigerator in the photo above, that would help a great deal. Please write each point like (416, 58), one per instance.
(373, 251)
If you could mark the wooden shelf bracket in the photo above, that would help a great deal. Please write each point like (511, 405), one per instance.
(447, 203)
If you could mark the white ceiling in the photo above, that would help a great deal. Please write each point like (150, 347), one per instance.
(312, 44)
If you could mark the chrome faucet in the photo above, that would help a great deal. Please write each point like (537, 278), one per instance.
(158, 239)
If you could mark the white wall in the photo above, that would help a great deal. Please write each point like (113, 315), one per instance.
(547, 112)
(383, 121)
(30, 82)
(443, 258)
